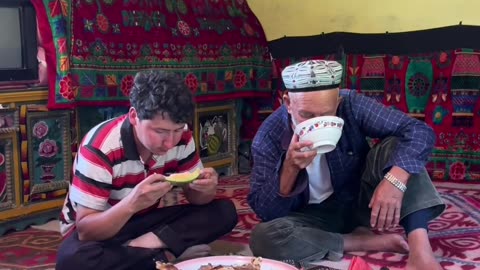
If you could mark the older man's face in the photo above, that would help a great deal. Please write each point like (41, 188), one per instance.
(305, 105)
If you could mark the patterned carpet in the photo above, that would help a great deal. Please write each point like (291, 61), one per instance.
(455, 236)
(30, 249)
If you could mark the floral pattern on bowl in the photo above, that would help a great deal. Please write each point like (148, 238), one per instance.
(319, 124)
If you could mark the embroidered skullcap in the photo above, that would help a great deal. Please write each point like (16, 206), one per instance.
(312, 75)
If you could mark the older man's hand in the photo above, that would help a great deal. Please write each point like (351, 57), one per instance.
(386, 204)
(297, 155)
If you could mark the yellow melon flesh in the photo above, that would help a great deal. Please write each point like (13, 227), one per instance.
(183, 177)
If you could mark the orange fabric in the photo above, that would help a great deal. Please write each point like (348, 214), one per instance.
(359, 264)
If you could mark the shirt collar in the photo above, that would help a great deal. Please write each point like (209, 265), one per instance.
(128, 140)
(287, 134)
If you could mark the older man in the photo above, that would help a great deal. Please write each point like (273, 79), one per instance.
(317, 206)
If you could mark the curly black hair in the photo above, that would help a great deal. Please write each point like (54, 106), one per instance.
(159, 91)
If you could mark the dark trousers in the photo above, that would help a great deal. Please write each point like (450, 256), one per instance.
(179, 227)
(315, 232)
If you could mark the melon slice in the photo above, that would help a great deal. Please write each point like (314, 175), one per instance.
(183, 178)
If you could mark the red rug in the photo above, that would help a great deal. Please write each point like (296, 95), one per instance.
(455, 236)
(30, 249)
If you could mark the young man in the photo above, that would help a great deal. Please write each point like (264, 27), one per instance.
(316, 207)
(111, 218)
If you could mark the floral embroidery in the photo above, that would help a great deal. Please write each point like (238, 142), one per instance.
(183, 28)
(439, 115)
(192, 82)
(67, 89)
(102, 23)
(127, 84)
(458, 171)
(240, 79)
(185, 37)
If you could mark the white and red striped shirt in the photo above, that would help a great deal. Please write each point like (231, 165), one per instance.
(107, 167)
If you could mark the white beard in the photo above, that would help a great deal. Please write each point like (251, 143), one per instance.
(294, 123)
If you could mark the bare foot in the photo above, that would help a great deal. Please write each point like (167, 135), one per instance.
(148, 240)
(362, 239)
(422, 260)
(421, 254)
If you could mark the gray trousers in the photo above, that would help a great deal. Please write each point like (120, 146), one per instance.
(315, 232)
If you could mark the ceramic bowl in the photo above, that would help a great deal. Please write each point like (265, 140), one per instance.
(324, 132)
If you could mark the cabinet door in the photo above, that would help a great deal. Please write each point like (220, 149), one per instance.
(46, 157)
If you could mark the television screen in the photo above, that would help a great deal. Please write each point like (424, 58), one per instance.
(18, 42)
(10, 39)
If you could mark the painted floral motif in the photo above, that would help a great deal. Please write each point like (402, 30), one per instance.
(317, 125)
(47, 148)
(2, 159)
(40, 129)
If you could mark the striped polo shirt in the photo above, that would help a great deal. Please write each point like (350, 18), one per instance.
(107, 167)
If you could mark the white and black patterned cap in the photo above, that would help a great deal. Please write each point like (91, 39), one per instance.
(312, 75)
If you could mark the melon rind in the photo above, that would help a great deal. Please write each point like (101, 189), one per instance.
(183, 178)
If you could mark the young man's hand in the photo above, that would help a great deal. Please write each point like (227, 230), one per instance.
(148, 192)
(207, 181)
